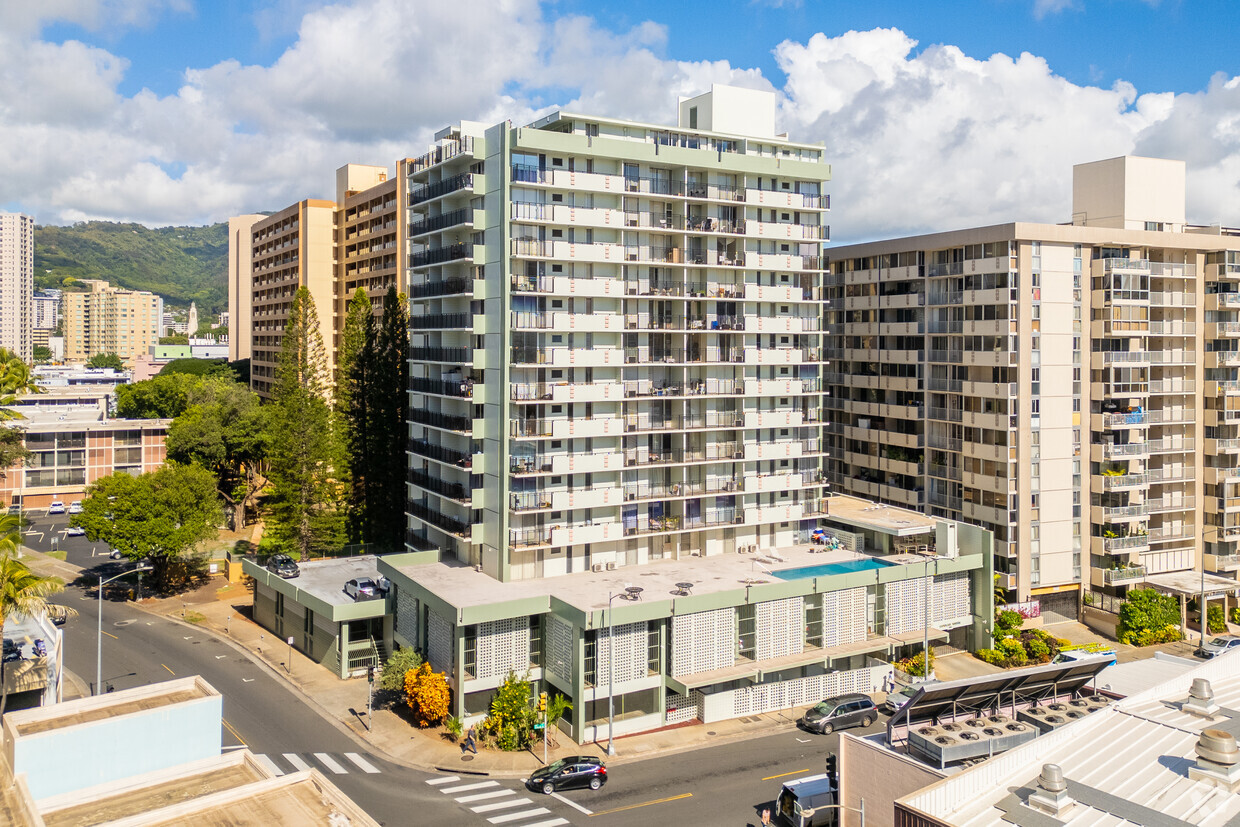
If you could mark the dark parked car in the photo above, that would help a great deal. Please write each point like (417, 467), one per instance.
(283, 565)
(568, 774)
(840, 713)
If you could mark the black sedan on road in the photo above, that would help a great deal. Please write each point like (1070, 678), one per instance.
(568, 774)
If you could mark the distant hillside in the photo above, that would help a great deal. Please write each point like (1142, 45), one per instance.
(182, 264)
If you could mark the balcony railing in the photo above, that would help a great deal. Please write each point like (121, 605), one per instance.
(444, 152)
(437, 519)
(446, 287)
(1125, 575)
(438, 452)
(439, 255)
(444, 321)
(455, 355)
(457, 182)
(435, 419)
(463, 388)
(422, 479)
(441, 222)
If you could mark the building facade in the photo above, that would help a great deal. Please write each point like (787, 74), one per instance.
(107, 319)
(17, 284)
(616, 335)
(291, 249)
(1069, 387)
(46, 313)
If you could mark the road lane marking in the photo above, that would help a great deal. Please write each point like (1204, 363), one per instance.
(234, 732)
(467, 787)
(247, 680)
(577, 806)
(549, 823)
(447, 779)
(644, 804)
(362, 763)
(538, 811)
(804, 740)
(114, 637)
(170, 672)
(502, 805)
(783, 774)
(331, 763)
(295, 759)
(269, 764)
(465, 799)
(220, 657)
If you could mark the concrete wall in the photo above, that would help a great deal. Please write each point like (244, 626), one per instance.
(71, 758)
(878, 776)
(1104, 623)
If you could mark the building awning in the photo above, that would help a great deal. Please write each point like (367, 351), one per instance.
(905, 638)
(1190, 584)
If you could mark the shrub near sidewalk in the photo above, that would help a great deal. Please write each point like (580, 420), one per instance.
(392, 676)
(1148, 617)
(428, 695)
(511, 721)
(1014, 647)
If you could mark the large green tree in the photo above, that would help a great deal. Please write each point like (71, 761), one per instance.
(16, 380)
(306, 461)
(223, 429)
(106, 360)
(386, 496)
(355, 363)
(160, 397)
(158, 517)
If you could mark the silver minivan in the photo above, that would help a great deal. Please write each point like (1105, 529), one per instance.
(840, 712)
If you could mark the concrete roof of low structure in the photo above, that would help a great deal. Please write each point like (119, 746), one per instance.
(320, 585)
(89, 710)
(887, 519)
(1191, 584)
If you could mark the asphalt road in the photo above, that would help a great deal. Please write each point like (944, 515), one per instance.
(724, 785)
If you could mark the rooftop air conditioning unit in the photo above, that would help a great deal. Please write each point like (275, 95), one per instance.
(596, 567)
(611, 566)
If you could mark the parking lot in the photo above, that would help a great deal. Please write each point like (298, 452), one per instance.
(46, 533)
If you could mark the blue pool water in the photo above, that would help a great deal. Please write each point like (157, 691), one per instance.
(846, 567)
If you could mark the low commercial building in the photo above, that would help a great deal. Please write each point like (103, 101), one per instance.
(72, 448)
(326, 624)
(34, 677)
(705, 638)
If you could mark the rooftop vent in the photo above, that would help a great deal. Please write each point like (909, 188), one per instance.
(1051, 794)
(1201, 699)
(1218, 759)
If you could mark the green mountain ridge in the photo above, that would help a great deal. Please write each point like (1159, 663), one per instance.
(182, 264)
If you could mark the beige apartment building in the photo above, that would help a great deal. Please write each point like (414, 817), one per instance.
(1071, 387)
(371, 237)
(107, 319)
(292, 248)
(240, 286)
(17, 284)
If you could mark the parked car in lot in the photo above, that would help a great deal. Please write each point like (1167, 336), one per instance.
(75, 507)
(570, 773)
(283, 566)
(75, 531)
(1218, 646)
(362, 588)
(57, 507)
(840, 712)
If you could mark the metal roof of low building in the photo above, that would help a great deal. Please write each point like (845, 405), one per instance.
(1124, 764)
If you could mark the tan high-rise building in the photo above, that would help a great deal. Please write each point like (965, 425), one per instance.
(108, 319)
(293, 248)
(1072, 387)
(240, 285)
(17, 284)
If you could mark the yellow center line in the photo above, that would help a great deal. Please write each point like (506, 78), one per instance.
(114, 637)
(783, 774)
(170, 672)
(234, 732)
(643, 804)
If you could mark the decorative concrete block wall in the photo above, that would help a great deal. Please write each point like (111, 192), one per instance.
(503, 647)
(843, 617)
(630, 653)
(703, 641)
(439, 643)
(780, 627)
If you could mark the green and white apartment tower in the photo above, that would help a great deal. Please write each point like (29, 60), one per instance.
(616, 414)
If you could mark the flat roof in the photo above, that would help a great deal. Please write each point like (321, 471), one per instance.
(1125, 763)
(887, 519)
(88, 710)
(325, 579)
(1190, 584)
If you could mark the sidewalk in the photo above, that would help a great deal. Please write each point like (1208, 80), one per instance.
(345, 703)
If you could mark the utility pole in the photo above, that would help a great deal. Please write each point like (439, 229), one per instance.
(370, 695)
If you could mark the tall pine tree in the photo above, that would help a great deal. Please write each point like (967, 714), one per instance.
(355, 366)
(306, 461)
(386, 487)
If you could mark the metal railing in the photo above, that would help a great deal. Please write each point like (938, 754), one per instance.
(432, 321)
(460, 181)
(439, 255)
(445, 287)
(441, 222)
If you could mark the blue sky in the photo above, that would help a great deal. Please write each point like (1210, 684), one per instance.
(186, 111)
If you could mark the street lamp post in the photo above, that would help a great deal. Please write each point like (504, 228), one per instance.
(99, 638)
(611, 676)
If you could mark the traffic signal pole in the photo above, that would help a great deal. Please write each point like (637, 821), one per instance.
(370, 695)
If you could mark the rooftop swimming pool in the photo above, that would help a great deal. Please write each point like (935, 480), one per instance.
(844, 567)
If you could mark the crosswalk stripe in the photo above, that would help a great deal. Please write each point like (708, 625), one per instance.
(269, 764)
(550, 823)
(362, 763)
(516, 816)
(295, 759)
(502, 805)
(331, 763)
(467, 787)
(447, 779)
(465, 799)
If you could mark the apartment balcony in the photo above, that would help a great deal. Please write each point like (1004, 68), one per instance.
(442, 321)
(783, 198)
(446, 151)
(1221, 301)
(757, 484)
(1123, 482)
(566, 391)
(780, 387)
(1222, 562)
(1214, 476)
(443, 287)
(774, 419)
(429, 192)
(774, 514)
(786, 231)
(1215, 417)
(789, 449)
(777, 356)
(569, 357)
(1133, 359)
(463, 389)
(567, 322)
(1222, 446)
(782, 262)
(782, 324)
(1173, 299)
(438, 519)
(1133, 544)
(1126, 576)
(435, 419)
(439, 255)
(1221, 330)
(774, 293)
(452, 490)
(443, 221)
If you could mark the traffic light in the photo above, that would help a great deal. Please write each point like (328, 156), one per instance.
(833, 768)
(370, 674)
(542, 702)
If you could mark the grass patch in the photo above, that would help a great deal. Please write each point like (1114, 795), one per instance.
(194, 617)
(57, 555)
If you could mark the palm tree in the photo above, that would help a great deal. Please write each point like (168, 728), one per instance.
(15, 380)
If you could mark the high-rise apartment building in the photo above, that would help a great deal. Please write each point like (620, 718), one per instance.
(17, 283)
(292, 248)
(46, 313)
(1070, 387)
(107, 319)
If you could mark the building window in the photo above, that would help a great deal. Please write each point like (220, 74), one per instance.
(470, 666)
(591, 658)
(746, 631)
(813, 622)
(536, 628)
